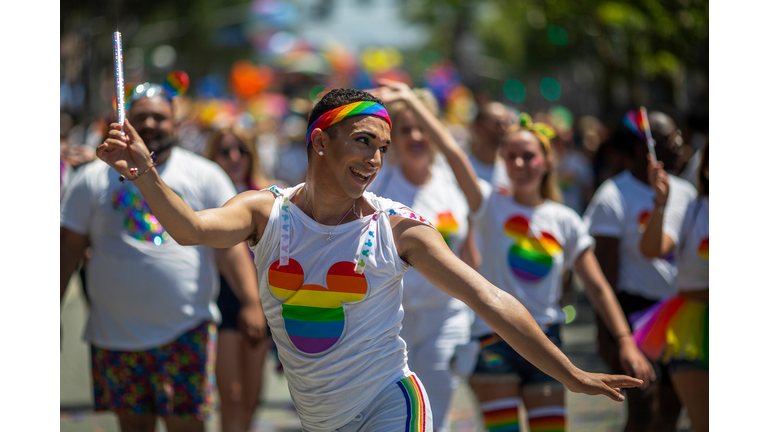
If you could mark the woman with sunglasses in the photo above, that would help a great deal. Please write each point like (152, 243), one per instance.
(239, 364)
(527, 240)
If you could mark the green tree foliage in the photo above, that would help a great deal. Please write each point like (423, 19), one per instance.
(635, 41)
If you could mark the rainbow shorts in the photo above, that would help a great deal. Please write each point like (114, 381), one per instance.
(175, 379)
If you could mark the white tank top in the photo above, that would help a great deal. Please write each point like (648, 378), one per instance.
(334, 308)
(442, 202)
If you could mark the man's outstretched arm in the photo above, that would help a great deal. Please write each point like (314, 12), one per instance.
(424, 248)
(241, 218)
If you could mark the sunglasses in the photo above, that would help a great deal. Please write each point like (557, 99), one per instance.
(227, 151)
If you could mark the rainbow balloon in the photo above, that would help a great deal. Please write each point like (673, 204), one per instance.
(176, 83)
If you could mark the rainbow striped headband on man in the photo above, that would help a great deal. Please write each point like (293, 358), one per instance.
(336, 115)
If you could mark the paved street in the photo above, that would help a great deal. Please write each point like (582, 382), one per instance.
(586, 413)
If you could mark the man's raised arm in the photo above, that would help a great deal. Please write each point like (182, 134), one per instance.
(424, 248)
(241, 218)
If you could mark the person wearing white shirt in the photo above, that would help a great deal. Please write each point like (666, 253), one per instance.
(434, 323)
(684, 343)
(152, 314)
(528, 239)
(617, 216)
(330, 258)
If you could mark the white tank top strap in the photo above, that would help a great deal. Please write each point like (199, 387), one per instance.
(282, 197)
(365, 248)
(365, 245)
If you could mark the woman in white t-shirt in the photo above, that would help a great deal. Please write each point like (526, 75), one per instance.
(528, 240)
(676, 330)
(434, 323)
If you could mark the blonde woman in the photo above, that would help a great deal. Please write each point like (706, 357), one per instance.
(434, 323)
(239, 364)
(527, 240)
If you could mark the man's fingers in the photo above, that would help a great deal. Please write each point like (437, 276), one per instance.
(131, 132)
(623, 381)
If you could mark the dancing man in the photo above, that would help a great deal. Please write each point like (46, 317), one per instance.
(330, 258)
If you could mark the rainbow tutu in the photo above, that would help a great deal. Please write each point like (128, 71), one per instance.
(676, 328)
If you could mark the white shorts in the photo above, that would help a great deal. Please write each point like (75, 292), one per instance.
(402, 405)
(431, 338)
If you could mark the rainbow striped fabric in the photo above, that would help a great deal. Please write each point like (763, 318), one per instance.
(501, 415)
(676, 328)
(354, 109)
(415, 403)
(547, 419)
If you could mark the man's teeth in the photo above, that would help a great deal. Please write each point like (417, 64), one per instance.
(360, 174)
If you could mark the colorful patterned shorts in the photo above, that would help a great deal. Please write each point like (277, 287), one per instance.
(175, 379)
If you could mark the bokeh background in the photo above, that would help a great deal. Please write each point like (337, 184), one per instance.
(594, 57)
(263, 63)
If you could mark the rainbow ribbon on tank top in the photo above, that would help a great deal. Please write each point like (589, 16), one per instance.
(336, 115)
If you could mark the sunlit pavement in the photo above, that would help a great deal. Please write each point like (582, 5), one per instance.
(585, 413)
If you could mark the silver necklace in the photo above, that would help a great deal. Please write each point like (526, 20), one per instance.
(328, 234)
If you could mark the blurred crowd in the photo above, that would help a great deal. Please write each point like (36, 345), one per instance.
(276, 120)
(257, 136)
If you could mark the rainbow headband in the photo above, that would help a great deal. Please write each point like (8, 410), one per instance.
(345, 111)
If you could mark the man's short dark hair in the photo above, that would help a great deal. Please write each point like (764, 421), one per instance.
(334, 99)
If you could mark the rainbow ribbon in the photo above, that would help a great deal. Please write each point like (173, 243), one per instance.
(345, 111)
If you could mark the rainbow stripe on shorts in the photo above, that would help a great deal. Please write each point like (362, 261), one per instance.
(416, 404)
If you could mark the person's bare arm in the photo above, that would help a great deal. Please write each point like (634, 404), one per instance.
(236, 266)
(469, 252)
(457, 159)
(654, 243)
(603, 299)
(71, 248)
(607, 254)
(424, 248)
(241, 218)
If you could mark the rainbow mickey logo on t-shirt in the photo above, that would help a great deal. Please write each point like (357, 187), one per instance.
(313, 314)
(704, 249)
(446, 225)
(140, 223)
(530, 257)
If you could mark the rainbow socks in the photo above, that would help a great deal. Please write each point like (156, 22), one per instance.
(547, 419)
(501, 415)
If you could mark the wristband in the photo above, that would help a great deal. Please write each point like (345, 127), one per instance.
(133, 171)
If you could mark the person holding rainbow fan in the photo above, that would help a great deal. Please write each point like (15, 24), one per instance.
(675, 331)
(527, 241)
(330, 259)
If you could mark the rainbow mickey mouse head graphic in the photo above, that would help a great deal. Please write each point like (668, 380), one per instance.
(313, 314)
(447, 226)
(530, 257)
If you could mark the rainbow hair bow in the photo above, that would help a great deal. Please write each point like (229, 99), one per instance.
(336, 115)
(639, 125)
(543, 131)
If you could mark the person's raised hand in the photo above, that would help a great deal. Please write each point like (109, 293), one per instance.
(124, 151)
(634, 363)
(390, 91)
(658, 179)
(602, 384)
(252, 322)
